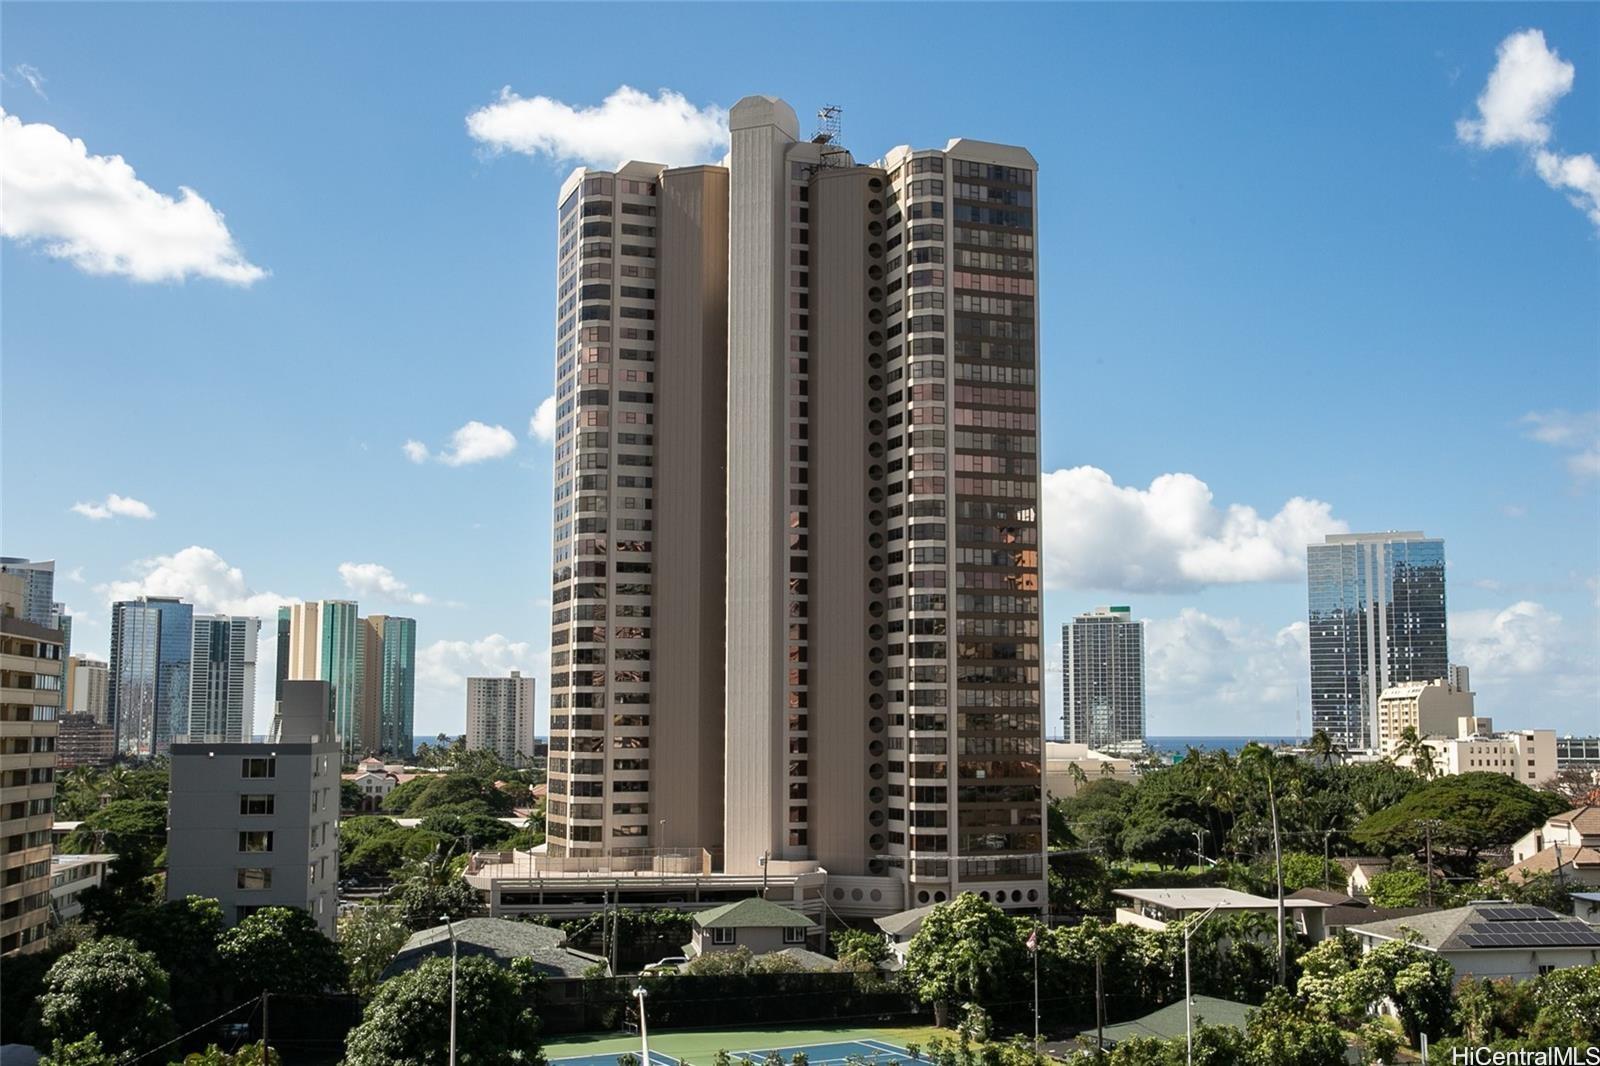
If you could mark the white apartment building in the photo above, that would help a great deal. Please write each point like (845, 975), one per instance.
(1529, 755)
(222, 678)
(500, 717)
(1431, 708)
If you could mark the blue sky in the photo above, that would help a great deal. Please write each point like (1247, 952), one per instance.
(1270, 262)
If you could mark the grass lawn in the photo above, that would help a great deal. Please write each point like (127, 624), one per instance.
(697, 1046)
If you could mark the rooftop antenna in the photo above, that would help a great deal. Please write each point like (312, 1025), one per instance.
(829, 125)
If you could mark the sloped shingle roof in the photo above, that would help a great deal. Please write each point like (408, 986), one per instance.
(752, 913)
(1488, 926)
(1169, 1021)
(500, 939)
(904, 923)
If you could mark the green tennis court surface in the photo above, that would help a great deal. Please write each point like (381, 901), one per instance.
(745, 1047)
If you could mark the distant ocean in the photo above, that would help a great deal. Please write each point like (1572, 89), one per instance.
(1179, 745)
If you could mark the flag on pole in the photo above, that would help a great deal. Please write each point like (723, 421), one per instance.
(1033, 940)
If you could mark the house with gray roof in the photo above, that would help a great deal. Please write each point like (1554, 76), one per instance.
(503, 941)
(1170, 1021)
(1493, 939)
(752, 923)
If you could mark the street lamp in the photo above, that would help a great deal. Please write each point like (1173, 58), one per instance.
(765, 856)
(1189, 926)
(1199, 848)
(644, 1032)
(452, 930)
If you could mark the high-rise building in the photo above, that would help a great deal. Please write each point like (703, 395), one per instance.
(500, 717)
(30, 694)
(1377, 618)
(796, 572)
(388, 649)
(325, 645)
(255, 825)
(1102, 679)
(281, 663)
(39, 604)
(87, 681)
(148, 689)
(222, 680)
(398, 708)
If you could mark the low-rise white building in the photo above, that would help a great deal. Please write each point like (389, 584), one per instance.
(69, 876)
(1529, 755)
(1493, 940)
(1156, 908)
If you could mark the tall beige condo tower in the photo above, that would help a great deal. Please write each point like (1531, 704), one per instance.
(830, 371)
(500, 717)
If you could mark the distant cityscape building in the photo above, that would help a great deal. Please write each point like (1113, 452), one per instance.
(148, 687)
(325, 644)
(1529, 755)
(1102, 679)
(1430, 708)
(253, 825)
(500, 717)
(31, 661)
(1377, 618)
(39, 584)
(281, 662)
(222, 685)
(88, 682)
(83, 740)
(1578, 753)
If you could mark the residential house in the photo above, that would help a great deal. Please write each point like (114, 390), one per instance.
(899, 929)
(1493, 939)
(752, 923)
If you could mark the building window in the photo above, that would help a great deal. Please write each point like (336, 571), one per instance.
(723, 936)
(260, 767)
(255, 877)
(256, 804)
(794, 936)
(255, 840)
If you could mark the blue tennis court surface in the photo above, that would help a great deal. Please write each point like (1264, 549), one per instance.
(837, 1053)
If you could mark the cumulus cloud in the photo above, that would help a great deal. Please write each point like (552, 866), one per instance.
(114, 506)
(375, 580)
(474, 442)
(1204, 668)
(1514, 109)
(199, 576)
(1169, 537)
(542, 426)
(94, 212)
(444, 666)
(628, 124)
(1576, 433)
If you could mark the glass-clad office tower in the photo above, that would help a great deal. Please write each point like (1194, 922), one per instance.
(222, 681)
(151, 644)
(1377, 618)
(1103, 679)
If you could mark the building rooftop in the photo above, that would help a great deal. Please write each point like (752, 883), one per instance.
(753, 913)
(1545, 861)
(1585, 819)
(903, 923)
(1169, 1022)
(808, 960)
(1479, 926)
(500, 939)
(1199, 899)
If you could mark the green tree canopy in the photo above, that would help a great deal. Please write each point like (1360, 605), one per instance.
(408, 1020)
(280, 949)
(423, 903)
(110, 988)
(965, 949)
(369, 938)
(1468, 812)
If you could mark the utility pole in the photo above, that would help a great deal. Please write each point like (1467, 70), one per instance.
(266, 1048)
(1427, 839)
(1099, 1004)
(451, 927)
(766, 857)
(1327, 876)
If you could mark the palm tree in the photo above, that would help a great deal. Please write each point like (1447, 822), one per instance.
(1321, 747)
(1079, 778)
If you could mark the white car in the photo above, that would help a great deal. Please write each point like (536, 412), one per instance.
(670, 964)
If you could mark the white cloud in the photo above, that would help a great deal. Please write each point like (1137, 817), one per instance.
(444, 666)
(94, 212)
(1531, 668)
(74, 575)
(1169, 537)
(199, 576)
(629, 124)
(1239, 677)
(542, 426)
(474, 442)
(373, 579)
(32, 75)
(1527, 82)
(114, 506)
(1517, 641)
(1574, 432)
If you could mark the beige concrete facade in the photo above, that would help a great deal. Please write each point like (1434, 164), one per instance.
(30, 697)
(1431, 708)
(1529, 755)
(500, 717)
(795, 571)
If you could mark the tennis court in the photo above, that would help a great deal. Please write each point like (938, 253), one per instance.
(826, 1053)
